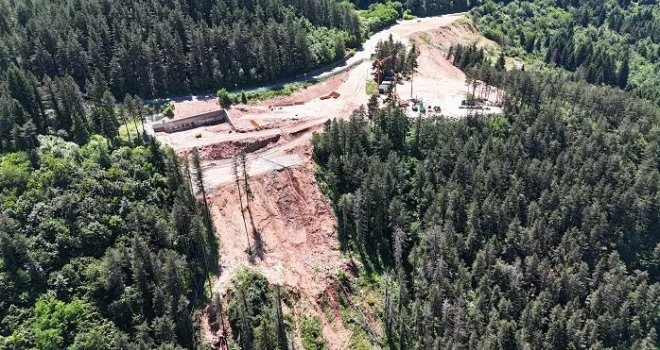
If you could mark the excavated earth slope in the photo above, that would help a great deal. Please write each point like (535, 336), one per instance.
(292, 235)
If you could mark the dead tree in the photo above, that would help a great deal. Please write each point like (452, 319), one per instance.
(237, 177)
(249, 195)
(244, 168)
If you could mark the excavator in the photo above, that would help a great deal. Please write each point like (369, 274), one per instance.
(378, 66)
(392, 96)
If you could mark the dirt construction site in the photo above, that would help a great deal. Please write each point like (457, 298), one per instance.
(290, 226)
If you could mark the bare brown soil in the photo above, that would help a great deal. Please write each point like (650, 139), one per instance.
(291, 232)
(293, 221)
(309, 93)
(230, 149)
(461, 31)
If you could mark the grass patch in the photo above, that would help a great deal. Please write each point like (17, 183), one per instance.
(261, 95)
(359, 298)
(407, 16)
(359, 340)
(127, 131)
(312, 337)
(371, 87)
(426, 38)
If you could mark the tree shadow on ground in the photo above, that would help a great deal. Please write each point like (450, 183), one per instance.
(213, 246)
(257, 239)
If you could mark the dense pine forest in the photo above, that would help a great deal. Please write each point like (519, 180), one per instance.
(157, 49)
(164, 48)
(603, 42)
(537, 228)
(58, 107)
(422, 7)
(101, 247)
(102, 244)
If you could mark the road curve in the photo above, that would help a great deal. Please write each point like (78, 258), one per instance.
(399, 31)
(315, 112)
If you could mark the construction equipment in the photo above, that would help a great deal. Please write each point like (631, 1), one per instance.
(378, 66)
(385, 87)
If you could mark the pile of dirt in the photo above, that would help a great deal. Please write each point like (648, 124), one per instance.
(459, 32)
(309, 93)
(220, 128)
(436, 62)
(229, 149)
(241, 110)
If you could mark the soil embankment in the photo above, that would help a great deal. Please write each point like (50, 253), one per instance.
(291, 233)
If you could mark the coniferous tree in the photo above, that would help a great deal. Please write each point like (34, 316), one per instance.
(500, 65)
(199, 184)
(624, 73)
(282, 342)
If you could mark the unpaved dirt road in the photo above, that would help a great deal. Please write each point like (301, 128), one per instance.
(297, 122)
(261, 162)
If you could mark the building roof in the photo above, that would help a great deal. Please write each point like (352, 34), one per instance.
(187, 109)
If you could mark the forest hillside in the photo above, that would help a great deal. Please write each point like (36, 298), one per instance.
(537, 228)
(164, 48)
(101, 247)
(615, 43)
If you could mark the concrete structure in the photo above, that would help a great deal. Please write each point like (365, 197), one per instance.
(190, 122)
